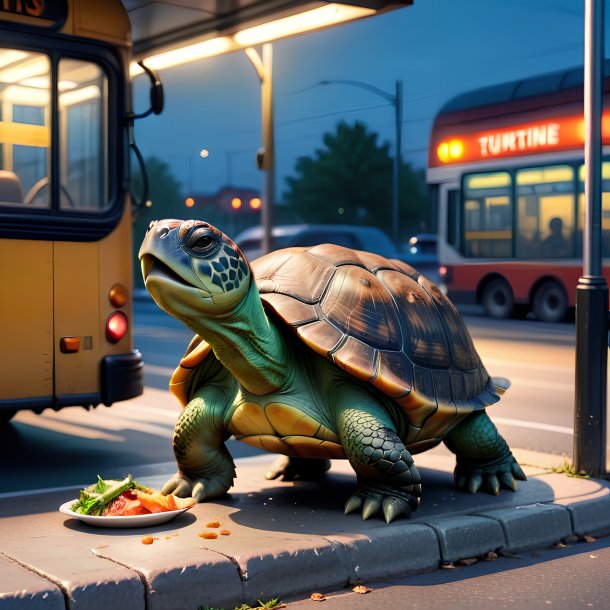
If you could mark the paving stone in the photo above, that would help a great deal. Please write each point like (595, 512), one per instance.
(21, 589)
(43, 544)
(466, 536)
(388, 551)
(591, 515)
(532, 526)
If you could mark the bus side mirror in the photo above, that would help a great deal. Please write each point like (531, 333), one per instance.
(157, 96)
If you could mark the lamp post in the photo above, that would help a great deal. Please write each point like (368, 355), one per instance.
(396, 101)
(592, 290)
(263, 65)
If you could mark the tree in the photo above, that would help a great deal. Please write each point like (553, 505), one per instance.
(164, 193)
(349, 180)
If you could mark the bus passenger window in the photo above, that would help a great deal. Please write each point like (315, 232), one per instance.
(605, 209)
(83, 126)
(488, 213)
(545, 212)
(24, 128)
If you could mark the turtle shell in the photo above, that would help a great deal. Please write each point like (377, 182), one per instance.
(380, 321)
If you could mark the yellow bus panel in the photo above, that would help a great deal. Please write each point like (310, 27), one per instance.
(26, 318)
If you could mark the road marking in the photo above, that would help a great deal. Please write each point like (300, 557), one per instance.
(520, 423)
(540, 384)
(57, 424)
(154, 369)
(530, 366)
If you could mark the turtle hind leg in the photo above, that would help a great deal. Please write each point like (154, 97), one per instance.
(297, 469)
(483, 457)
(388, 480)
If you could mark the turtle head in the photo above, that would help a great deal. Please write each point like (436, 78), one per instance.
(191, 268)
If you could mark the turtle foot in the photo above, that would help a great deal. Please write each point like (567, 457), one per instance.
(297, 469)
(201, 489)
(391, 501)
(471, 475)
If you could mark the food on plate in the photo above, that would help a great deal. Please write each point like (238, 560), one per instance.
(125, 498)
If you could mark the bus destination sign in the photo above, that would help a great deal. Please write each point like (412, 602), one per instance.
(555, 134)
(34, 12)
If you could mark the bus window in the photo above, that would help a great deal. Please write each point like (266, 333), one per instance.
(545, 212)
(488, 213)
(605, 208)
(83, 135)
(24, 127)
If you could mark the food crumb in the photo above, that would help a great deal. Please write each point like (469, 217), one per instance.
(318, 597)
(148, 539)
(225, 532)
(361, 589)
(214, 523)
(208, 535)
(589, 538)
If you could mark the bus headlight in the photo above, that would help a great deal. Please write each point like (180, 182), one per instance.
(116, 326)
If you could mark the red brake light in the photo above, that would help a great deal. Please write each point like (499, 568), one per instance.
(116, 326)
(445, 274)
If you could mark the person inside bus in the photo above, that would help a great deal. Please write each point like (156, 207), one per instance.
(556, 245)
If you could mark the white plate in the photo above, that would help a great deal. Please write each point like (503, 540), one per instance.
(129, 521)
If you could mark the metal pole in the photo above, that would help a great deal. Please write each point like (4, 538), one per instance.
(592, 290)
(269, 147)
(264, 70)
(397, 160)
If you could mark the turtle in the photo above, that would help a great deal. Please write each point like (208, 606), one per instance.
(318, 353)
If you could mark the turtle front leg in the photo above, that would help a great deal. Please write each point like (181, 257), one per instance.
(205, 467)
(387, 477)
(483, 458)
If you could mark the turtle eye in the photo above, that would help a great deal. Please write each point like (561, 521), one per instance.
(201, 240)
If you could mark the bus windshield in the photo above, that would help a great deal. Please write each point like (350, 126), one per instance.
(26, 102)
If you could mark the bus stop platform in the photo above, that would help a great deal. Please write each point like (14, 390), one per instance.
(286, 538)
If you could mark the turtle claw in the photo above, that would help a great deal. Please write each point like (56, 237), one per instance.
(517, 471)
(353, 504)
(371, 507)
(472, 476)
(392, 507)
(475, 482)
(391, 501)
(200, 488)
(178, 485)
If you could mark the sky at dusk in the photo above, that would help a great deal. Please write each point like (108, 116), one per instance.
(439, 48)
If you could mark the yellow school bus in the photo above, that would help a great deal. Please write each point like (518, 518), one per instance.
(65, 211)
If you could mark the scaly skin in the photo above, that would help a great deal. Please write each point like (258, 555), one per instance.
(387, 476)
(483, 456)
(205, 467)
(197, 274)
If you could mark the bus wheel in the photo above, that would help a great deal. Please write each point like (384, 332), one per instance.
(497, 299)
(550, 302)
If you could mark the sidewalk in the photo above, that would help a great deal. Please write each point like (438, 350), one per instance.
(286, 539)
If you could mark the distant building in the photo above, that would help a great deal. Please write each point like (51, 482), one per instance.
(231, 208)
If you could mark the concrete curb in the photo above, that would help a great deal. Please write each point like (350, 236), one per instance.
(286, 540)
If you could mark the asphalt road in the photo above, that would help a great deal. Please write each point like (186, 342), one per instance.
(570, 578)
(71, 446)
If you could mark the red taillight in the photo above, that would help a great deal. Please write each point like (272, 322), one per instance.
(445, 274)
(116, 326)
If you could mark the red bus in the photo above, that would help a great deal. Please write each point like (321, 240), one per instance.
(506, 167)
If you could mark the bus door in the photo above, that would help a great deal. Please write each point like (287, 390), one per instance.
(449, 221)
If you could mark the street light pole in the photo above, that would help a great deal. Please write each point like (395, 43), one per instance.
(396, 101)
(592, 290)
(264, 68)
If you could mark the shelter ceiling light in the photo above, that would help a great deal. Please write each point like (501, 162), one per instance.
(191, 52)
(313, 19)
